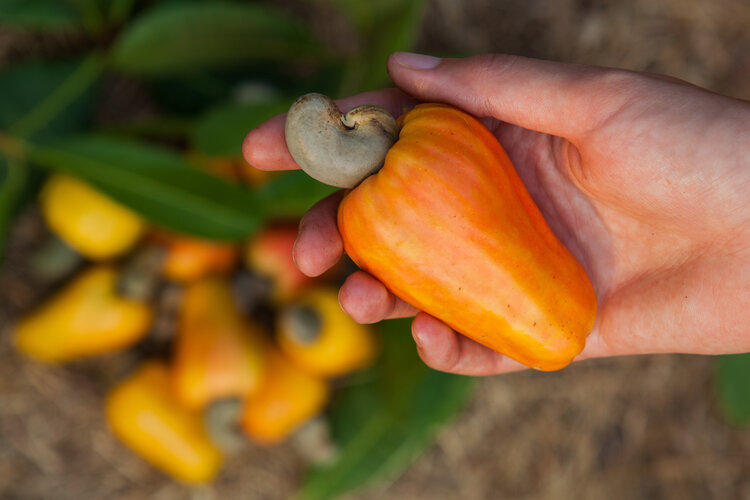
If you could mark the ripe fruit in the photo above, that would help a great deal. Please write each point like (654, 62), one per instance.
(88, 220)
(218, 353)
(269, 253)
(143, 412)
(85, 318)
(448, 226)
(188, 259)
(319, 337)
(286, 398)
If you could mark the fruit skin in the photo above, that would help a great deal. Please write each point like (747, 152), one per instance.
(448, 226)
(270, 253)
(85, 318)
(286, 399)
(144, 414)
(340, 345)
(93, 224)
(188, 259)
(218, 353)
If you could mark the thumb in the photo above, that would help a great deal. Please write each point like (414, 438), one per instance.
(566, 100)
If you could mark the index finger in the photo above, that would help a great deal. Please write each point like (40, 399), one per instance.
(265, 148)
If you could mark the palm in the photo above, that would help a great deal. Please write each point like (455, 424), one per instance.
(638, 221)
(544, 164)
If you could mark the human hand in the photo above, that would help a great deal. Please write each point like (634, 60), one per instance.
(644, 178)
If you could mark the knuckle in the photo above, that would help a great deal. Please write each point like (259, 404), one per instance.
(606, 93)
(485, 71)
(492, 66)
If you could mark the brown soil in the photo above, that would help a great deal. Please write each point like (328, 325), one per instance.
(632, 428)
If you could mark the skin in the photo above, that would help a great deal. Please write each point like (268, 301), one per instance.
(646, 179)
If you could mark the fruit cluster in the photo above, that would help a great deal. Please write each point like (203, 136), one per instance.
(232, 374)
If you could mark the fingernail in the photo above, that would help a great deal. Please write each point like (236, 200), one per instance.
(415, 61)
(419, 337)
(294, 251)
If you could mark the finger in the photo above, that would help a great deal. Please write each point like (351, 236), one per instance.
(443, 349)
(560, 99)
(318, 245)
(393, 100)
(265, 148)
(367, 300)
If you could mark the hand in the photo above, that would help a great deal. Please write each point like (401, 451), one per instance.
(646, 180)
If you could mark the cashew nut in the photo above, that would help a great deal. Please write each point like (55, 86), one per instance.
(338, 150)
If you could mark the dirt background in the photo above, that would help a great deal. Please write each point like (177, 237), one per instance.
(632, 428)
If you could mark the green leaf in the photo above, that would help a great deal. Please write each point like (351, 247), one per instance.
(291, 194)
(92, 12)
(382, 426)
(39, 100)
(189, 94)
(165, 128)
(385, 27)
(198, 92)
(157, 183)
(397, 31)
(733, 383)
(220, 132)
(119, 10)
(367, 16)
(38, 14)
(184, 38)
(47, 99)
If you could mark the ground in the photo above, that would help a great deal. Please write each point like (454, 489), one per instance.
(629, 428)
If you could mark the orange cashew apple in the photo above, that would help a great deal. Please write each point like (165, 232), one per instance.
(447, 225)
(218, 353)
(269, 253)
(188, 258)
(287, 398)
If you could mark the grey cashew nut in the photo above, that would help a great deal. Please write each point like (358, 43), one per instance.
(338, 150)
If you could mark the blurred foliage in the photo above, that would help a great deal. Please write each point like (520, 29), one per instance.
(214, 69)
(291, 194)
(48, 99)
(158, 183)
(172, 39)
(733, 387)
(39, 100)
(39, 14)
(386, 26)
(220, 131)
(14, 184)
(382, 425)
